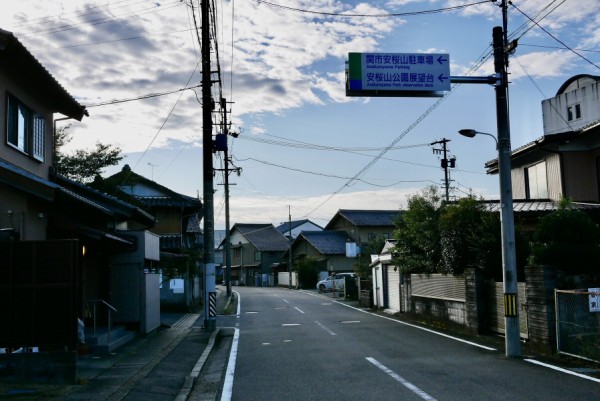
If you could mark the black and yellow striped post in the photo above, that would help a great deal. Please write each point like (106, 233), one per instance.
(510, 305)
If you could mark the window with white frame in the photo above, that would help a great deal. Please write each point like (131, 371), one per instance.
(536, 181)
(25, 129)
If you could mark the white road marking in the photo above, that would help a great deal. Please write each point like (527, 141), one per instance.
(299, 310)
(401, 380)
(349, 321)
(286, 301)
(290, 324)
(228, 383)
(325, 328)
(411, 325)
(567, 371)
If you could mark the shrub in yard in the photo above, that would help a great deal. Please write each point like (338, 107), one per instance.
(568, 239)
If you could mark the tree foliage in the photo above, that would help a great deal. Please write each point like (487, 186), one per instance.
(566, 238)
(418, 233)
(84, 164)
(470, 237)
(362, 267)
(308, 271)
(437, 237)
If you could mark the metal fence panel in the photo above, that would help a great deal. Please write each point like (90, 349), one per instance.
(578, 323)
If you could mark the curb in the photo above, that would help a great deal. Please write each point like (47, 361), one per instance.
(189, 380)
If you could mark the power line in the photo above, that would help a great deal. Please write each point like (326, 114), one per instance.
(559, 48)
(555, 38)
(46, 49)
(386, 15)
(103, 20)
(327, 175)
(140, 97)
(47, 19)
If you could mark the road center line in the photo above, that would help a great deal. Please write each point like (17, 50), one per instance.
(401, 380)
(299, 310)
(325, 328)
(286, 301)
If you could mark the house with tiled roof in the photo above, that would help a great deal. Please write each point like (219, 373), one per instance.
(337, 246)
(255, 249)
(363, 226)
(86, 251)
(328, 248)
(565, 160)
(178, 218)
(295, 227)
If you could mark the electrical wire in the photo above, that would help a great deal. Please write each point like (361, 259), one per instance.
(386, 15)
(111, 102)
(98, 21)
(555, 38)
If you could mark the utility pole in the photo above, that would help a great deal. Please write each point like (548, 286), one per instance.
(227, 223)
(509, 263)
(221, 146)
(210, 295)
(290, 250)
(445, 163)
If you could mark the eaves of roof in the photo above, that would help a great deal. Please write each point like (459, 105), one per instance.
(170, 198)
(27, 182)
(545, 142)
(533, 206)
(103, 201)
(21, 66)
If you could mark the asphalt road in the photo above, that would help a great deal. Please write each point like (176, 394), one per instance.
(297, 345)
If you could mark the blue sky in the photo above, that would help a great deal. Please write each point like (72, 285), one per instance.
(302, 141)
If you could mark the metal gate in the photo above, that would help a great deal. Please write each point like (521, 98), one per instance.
(578, 323)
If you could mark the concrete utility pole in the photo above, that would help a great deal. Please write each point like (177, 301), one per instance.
(210, 295)
(290, 250)
(509, 260)
(502, 49)
(445, 164)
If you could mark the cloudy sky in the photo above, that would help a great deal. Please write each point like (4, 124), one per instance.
(303, 145)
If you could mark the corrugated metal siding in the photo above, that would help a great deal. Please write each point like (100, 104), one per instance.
(393, 288)
(438, 286)
(496, 309)
(553, 177)
(518, 183)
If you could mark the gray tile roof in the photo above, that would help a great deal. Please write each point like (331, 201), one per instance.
(539, 206)
(380, 218)
(21, 65)
(326, 242)
(264, 237)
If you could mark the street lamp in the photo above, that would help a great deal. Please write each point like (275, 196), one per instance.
(509, 259)
(470, 133)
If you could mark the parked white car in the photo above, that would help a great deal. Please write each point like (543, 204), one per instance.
(334, 281)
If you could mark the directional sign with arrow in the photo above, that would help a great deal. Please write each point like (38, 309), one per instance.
(421, 72)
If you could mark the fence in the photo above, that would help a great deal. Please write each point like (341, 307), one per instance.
(578, 323)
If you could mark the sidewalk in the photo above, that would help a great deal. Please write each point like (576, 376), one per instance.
(156, 367)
